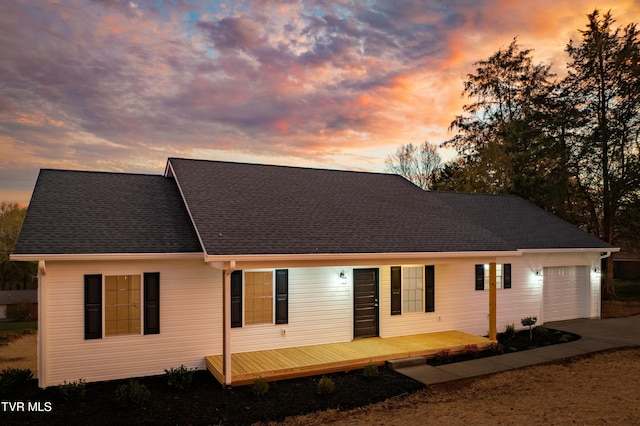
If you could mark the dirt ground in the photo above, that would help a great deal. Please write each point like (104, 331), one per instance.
(595, 390)
(20, 353)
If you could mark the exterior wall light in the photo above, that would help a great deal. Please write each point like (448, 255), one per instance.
(343, 278)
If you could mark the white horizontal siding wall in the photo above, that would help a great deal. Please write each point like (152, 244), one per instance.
(320, 311)
(457, 305)
(190, 322)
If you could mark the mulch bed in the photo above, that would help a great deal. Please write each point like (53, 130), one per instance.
(205, 402)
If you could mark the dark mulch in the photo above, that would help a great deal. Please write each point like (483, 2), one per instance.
(508, 342)
(205, 402)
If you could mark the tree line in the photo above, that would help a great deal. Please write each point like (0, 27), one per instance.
(13, 275)
(570, 145)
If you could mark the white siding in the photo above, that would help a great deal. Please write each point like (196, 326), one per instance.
(190, 322)
(320, 311)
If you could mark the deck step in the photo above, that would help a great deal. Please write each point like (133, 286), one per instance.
(394, 364)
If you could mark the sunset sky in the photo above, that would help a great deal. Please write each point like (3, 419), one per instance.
(121, 85)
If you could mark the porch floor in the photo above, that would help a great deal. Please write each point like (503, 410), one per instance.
(288, 363)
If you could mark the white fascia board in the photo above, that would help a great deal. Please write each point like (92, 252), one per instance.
(355, 256)
(104, 256)
(571, 250)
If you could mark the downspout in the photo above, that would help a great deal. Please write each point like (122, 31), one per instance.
(605, 255)
(42, 334)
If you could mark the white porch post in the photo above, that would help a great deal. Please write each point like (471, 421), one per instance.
(226, 326)
(492, 301)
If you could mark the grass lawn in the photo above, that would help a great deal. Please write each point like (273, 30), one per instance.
(628, 303)
(11, 330)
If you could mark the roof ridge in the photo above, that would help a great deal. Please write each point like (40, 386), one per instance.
(281, 166)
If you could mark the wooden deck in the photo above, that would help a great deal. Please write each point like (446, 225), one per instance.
(303, 361)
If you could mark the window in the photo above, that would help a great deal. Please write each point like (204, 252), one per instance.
(255, 295)
(412, 289)
(122, 304)
(503, 276)
(258, 299)
(408, 285)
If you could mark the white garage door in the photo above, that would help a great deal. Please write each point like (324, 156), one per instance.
(565, 292)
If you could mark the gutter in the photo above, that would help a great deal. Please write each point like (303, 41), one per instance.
(103, 256)
(354, 256)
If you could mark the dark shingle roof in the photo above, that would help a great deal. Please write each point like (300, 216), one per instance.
(245, 209)
(521, 223)
(74, 212)
(260, 209)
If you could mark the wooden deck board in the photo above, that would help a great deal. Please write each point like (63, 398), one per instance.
(303, 361)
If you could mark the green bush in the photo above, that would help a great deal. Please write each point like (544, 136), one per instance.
(180, 377)
(10, 378)
(541, 331)
(508, 334)
(529, 322)
(260, 387)
(326, 386)
(73, 391)
(132, 394)
(370, 371)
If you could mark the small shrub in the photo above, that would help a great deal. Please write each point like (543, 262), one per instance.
(542, 331)
(132, 394)
(10, 378)
(508, 334)
(565, 338)
(180, 377)
(496, 348)
(472, 351)
(326, 386)
(22, 312)
(443, 356)
(370, 371)
(529, 322)
(260, 386)
(73, 391)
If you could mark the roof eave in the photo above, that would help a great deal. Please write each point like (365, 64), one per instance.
(34, 257)
(572, 250)
(353, 256)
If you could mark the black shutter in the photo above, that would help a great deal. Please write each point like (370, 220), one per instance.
(479, 277)
(429, 288)
(236, 299)
(396, 290)
(282, 296)
(506, 275)
(93, 306)
(152, 303)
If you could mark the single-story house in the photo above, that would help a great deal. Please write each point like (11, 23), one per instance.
(19, 304)
(139, 273)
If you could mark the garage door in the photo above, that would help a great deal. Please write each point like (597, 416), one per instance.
(565, 291)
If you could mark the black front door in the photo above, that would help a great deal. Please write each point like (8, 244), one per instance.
(365, 303)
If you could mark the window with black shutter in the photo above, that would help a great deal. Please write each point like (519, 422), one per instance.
(429, 288)
(479, 277)
(93, 306)
(236, 299)
(152, 303)
(396, 290)
(282, 296)
(506, 272)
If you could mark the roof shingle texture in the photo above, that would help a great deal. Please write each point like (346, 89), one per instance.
(74, 212)
(260, 209)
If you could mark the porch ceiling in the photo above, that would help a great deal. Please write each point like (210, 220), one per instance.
(279, 364)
